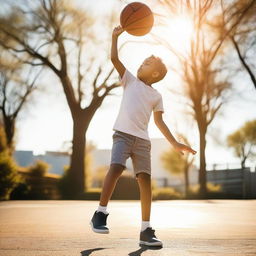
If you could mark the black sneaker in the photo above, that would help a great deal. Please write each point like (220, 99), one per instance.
(147, 237)
(99, 222)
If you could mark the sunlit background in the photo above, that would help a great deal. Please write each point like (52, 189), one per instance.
(33, 129)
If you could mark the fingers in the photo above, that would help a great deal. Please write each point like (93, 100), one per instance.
(188, 149)
(118, 30)
(119, 27)
(191, 151)
(181, 147)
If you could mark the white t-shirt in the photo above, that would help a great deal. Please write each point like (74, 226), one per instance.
(138, 102)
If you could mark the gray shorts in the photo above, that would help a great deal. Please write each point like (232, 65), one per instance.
(125, 146)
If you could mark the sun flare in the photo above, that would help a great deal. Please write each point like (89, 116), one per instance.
(178, 32)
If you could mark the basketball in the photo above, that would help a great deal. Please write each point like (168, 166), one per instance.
(137, 19)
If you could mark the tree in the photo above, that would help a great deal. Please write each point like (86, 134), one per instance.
(243, 141)
(178, 164)
(205, 86)
(57, 35)
(15, 91)
(64, 181)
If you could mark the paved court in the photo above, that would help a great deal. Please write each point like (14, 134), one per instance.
(58, 228)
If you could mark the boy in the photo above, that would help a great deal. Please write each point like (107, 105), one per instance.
(131, 137)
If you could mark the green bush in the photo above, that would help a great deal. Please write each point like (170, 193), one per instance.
(67, 188)
(212, 191)
(21, 192)
(165, 194)
(9, 177)
(39, 169)
(210, 188)
(34, 185)
(64, 185)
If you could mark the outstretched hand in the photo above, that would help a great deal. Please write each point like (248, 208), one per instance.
(117, 31)
(181, 148)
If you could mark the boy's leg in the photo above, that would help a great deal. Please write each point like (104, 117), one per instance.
(147, 234)
(144, 181)
(120, 152)
(110, 182)
(99, 219)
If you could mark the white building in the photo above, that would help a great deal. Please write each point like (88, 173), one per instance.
(101, 157)
(56, 160)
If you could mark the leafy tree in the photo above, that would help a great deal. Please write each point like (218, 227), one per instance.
(243, 141)
(205, 88)
(63, 38)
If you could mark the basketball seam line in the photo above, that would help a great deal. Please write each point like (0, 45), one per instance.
(137, 28)
(138, 20)
(132, 13)
(134, 9)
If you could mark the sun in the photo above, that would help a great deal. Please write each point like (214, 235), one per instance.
(177, 32)
(182, 29)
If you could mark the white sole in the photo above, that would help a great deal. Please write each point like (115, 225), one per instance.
(99, 231)
(151, 244)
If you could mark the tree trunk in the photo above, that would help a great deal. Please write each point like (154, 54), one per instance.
(81, 122)
(186, 182)
(202, 169)
(77, 164)
(243, 163)
(9, 127)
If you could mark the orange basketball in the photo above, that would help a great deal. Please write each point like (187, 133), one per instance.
(137, 19)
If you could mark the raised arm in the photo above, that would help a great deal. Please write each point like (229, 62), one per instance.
(168, 135)
(114, 52)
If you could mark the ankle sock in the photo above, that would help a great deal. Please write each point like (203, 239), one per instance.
(145, 225)
(102, 209)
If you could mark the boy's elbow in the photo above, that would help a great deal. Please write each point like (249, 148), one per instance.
(114, 59)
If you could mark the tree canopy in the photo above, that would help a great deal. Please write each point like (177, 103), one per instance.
(243, 142)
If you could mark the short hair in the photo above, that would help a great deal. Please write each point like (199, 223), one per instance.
(160, 67)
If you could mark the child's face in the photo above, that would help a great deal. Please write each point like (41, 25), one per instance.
(147, 68)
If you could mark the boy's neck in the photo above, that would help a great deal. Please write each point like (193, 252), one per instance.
(148, 83)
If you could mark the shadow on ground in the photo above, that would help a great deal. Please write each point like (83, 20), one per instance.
(138, 252)
(89, 251)
(142, 249)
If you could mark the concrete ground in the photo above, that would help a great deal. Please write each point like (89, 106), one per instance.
(58, 228)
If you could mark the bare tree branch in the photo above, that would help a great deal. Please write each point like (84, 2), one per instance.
(243, 61)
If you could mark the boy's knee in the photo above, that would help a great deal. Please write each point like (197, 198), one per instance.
(116, 169)
(143, 176)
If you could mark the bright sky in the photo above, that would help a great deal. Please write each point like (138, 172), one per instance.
(47, 125)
